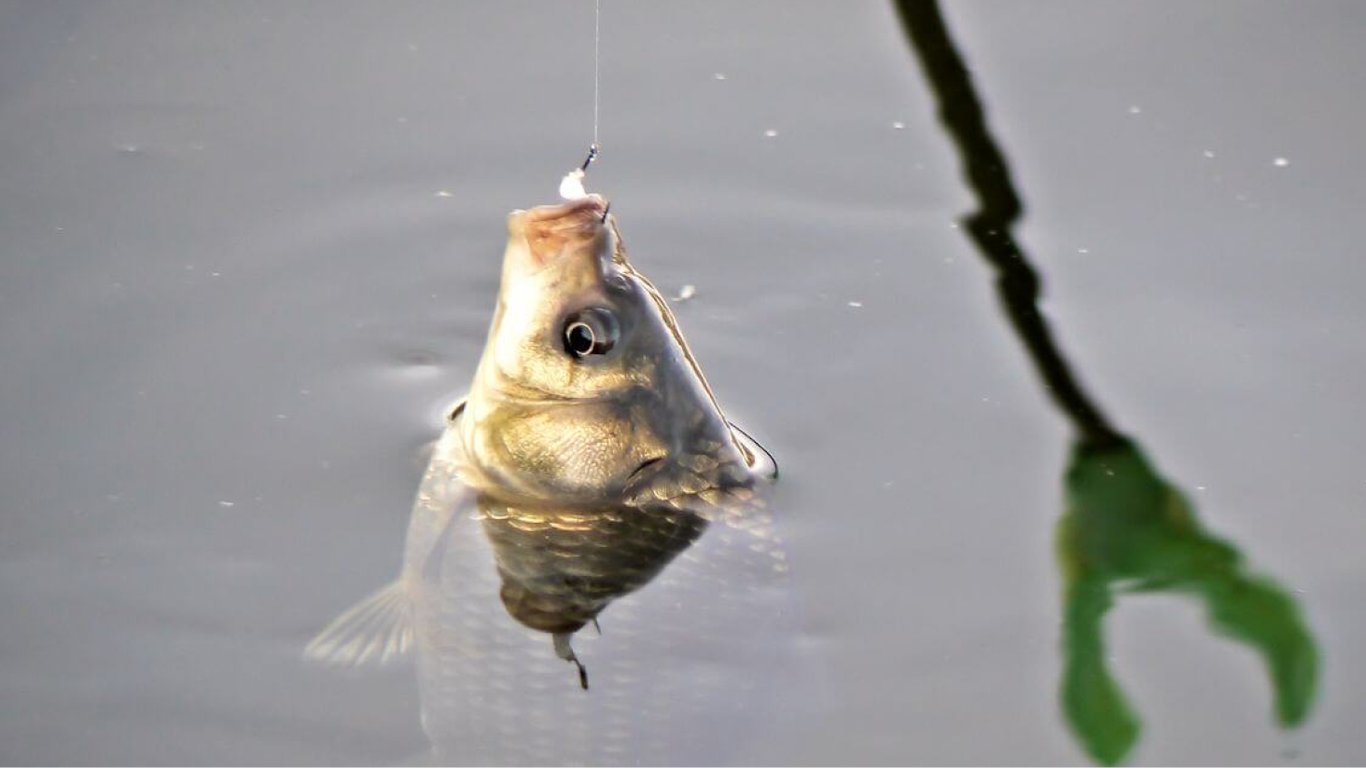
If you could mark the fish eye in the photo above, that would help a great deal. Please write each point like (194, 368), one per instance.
(591, 331)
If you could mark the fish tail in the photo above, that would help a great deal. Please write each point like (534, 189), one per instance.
(378, 628)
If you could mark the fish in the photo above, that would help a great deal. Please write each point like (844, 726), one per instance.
(589, 460)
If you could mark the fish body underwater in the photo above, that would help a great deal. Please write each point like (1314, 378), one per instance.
(589, 460)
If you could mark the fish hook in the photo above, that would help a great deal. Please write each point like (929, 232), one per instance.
(593, 150)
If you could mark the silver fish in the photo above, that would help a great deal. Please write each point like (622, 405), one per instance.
(589, 459)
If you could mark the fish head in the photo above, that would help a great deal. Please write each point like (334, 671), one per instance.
(586, 389)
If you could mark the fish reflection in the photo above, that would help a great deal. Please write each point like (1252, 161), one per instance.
(560, 568)
(589, 461)
(1125, 528)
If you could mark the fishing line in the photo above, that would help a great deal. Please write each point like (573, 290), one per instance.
(597, 59)
(571, 186)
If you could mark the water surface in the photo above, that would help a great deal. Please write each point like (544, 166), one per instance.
(251, 251)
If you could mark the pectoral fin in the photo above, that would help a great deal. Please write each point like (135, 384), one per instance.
(378, 628)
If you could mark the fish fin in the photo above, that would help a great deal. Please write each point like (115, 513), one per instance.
(378, 628)
(756, 455)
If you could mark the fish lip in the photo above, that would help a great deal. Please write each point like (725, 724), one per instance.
(548, 232)
(542, 214)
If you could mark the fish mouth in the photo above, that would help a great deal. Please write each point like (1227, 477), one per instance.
(590, 207)
(551, 230)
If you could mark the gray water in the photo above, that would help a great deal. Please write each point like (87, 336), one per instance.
(250, 252)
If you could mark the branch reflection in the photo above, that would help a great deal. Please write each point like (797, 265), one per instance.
(1125, 528)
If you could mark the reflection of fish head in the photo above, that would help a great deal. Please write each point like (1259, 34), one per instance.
(586, 390)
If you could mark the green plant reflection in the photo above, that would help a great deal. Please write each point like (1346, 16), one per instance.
(1125, 528)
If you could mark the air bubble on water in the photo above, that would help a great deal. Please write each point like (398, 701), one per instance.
(443, 193)
(686, 292)
(770, 133)
(1280, 162)
(227, 504)
(1083, 250)
(856, 304)
(898, 125)
(719, 76)
(1135, 109)
(1209, 153)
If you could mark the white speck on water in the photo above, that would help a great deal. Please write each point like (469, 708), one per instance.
(189, 267)
(1199, 487)
(130, 149)
(953, 225)
(215, 274)
(898, 125)
(719, 76)
(1083, 250)
(444, 193)
(855, 304)
(770, 133)
(1209, 153)
(226, 504)
(305, 392)
(281, 416)
(1135, 109)
(402, 120)
(1280, 162)
(686, 292)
